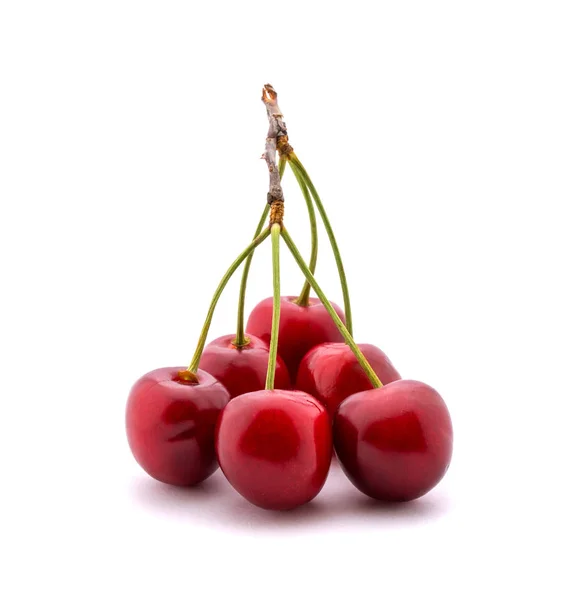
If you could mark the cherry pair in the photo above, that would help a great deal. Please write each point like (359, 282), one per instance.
(394, 443)
(172, 413)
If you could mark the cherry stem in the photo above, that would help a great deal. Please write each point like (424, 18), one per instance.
(282, 166)
(193, 368)
(375, 380)
(302, 300)
(295, 163)
(273, 350)
(241, 340)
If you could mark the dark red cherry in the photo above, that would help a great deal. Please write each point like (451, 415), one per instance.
(330, 372)
(394, 442)
(244, 369)
(275, 447)
(171, 423)
(301, 328)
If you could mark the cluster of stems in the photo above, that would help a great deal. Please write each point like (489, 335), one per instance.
(277, 231)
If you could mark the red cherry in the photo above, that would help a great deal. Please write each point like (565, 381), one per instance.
(274, 447)
(394, 442)
(301, 327)
(171, 423)
(330, 372)
(244, 369)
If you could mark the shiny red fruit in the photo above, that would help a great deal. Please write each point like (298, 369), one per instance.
(301, 328)
(171, 424)
(330, 372)
(394, 442)
(275, 447)
(244, 369)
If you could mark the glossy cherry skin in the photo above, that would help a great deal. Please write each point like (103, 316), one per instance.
(242, 370)
(275, 447)
(330, 372)
(301, 328)
(394, 442)
(171, 424)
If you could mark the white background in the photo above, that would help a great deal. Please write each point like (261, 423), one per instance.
(449, 143)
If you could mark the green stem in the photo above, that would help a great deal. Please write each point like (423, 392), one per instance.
(282, 165)
(273, 350)
(240, 339)
(339, 324)
(302, 300)
(295, 162)
(193, 368)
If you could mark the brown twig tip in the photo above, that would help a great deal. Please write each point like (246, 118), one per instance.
(277, 132)
(278, 128)
(268, 94)
(269, 97)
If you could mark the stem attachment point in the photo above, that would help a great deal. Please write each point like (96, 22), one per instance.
(187, 376)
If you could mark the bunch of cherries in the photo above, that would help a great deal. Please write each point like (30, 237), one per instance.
(270, 402)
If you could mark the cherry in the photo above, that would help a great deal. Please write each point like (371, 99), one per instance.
(243, 369)
(301, 327)
(171, 422)
(330, 372)
(274, 447)
(394, 442)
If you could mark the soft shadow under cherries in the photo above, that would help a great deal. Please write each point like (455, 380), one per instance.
(215, 504)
